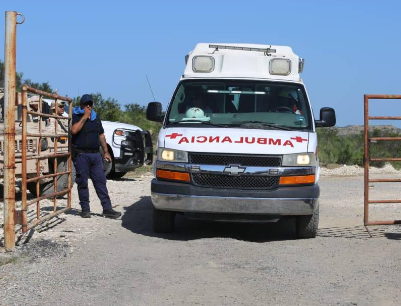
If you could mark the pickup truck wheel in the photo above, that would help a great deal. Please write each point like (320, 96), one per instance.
(62, 181)
(116, 175)
(307, 226)
(163, 221)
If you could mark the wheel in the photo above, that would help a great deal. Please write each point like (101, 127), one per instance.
(107, 166)
(307, 225)
(163, 221)
(116, 175)
(62, 180)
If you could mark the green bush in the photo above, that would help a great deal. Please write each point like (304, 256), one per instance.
(349, 149)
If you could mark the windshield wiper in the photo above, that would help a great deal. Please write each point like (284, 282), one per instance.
(199, 121)
(259, 124)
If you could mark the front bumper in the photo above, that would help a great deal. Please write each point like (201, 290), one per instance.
(126, 165)
(284, 201)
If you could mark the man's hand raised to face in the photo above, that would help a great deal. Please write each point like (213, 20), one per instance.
(88, 111)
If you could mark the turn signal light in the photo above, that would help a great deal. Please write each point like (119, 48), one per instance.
(172, 175)
(297, 180)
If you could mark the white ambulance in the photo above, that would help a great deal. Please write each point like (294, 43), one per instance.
(238, 141)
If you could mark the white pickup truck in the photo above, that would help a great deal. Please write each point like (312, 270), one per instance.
(129, 146)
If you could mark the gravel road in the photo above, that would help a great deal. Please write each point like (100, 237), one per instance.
(97, 261)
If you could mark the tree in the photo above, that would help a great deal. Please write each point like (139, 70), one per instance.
(18, 77)
(45, 86)
(107, 109)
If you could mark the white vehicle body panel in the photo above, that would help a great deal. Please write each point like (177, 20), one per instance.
(243, 64)
(109, 128)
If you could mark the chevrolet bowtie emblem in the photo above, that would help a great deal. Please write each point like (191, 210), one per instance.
(234, 170)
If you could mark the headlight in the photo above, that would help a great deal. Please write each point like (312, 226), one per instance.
(303, 159)
(172, 155)
(120, 132)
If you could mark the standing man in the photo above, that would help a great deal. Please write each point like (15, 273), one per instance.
(60, 108)
(62, 123)
(87, 136)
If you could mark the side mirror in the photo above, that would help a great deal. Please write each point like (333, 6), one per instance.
(154, 112)
(327, 117)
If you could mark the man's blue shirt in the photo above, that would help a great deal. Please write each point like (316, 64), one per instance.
(88, 137)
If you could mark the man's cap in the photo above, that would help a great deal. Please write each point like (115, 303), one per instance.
(86, 98)
(59, 104)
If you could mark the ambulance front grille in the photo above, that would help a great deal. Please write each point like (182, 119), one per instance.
(239, 182)
(227, 159)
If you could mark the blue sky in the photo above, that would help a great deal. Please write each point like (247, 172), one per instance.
(79, 46)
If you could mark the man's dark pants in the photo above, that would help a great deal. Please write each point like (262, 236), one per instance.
(90, 165)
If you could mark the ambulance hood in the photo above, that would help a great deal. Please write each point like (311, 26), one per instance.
(234, 140)
(110, 125)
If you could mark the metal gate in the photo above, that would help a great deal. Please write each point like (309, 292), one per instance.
(368, 159)
(42, 134)
(13, 145)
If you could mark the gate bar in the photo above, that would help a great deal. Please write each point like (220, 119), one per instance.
(384, 201)
(384, 138)
(385, 181)
(24, 220)
(47, 217)
(384, 118)
(50, 195)
(34, 179)
(47, 156)
(49, 115)
(386, 159)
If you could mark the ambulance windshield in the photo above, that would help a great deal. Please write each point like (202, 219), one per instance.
(238, 102)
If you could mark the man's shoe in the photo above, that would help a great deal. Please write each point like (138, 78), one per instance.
(85, 214)
(111, 213)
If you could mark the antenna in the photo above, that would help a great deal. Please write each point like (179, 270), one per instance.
(150, 87)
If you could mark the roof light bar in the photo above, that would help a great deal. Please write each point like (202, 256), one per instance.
(265, 50)
(237, 92)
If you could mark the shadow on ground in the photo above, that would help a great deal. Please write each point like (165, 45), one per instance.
(362, 232)
(123, 179)
(138, 218)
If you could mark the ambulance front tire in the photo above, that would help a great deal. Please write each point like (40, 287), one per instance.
(307, 226)
(163, 221)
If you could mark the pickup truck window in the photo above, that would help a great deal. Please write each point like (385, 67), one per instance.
(240, 102)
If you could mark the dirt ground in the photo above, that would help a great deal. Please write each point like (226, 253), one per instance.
(97, 261)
